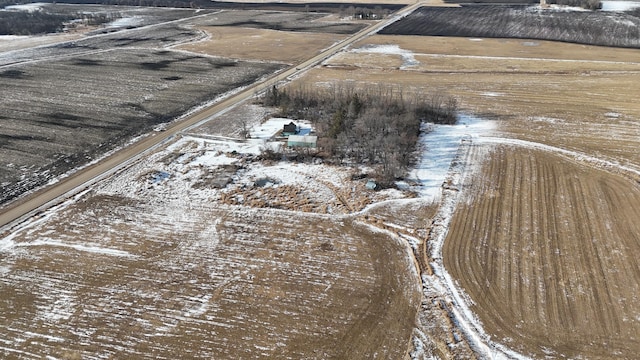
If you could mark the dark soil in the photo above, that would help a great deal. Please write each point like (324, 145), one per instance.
(93, 97)
(276, 20)
(524, 22)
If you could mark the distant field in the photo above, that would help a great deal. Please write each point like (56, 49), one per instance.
(524, 22)
(269, 36)
(294, 22)
(258, 44)
(104, 89)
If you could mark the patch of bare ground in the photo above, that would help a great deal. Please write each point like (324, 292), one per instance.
(204, 280)
(546, 249)
(407, 213)
(230, 122)
(261, 44)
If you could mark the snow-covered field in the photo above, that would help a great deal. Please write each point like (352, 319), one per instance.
(612, 5)
(162, 267)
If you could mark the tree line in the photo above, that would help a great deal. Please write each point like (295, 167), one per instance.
(379, 126)
(42, 22)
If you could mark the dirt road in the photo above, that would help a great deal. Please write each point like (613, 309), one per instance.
(46, 197)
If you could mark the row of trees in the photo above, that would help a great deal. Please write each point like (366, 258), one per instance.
(30, 23)
(379, 126)
(42, 22)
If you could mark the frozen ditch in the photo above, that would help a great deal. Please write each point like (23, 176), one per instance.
(442, 145)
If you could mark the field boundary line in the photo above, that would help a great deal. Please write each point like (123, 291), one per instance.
(579, 157)
(454, 300)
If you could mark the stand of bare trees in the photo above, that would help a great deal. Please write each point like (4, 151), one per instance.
(379, 126)
(43, 22)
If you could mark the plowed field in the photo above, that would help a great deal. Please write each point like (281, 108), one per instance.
(546, 248)
(118, 277)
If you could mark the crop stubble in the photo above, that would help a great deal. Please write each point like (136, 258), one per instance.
(544, 246)
(546, 249)
(155, 276)
(84, 98)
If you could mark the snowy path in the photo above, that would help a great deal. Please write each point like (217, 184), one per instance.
(439, 148)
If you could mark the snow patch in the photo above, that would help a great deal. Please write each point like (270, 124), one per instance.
(408, 57)
(273, 126)
(440, 147)
(126, 22)
(26, 7)
(80, 247)
(13, 37)
(546, 119)
(619, 5)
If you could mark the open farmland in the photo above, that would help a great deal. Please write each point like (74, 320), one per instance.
(200, 238)
(524, 22)
(572, 96)
(546, 248)
(94, 103)
(269, 36)
(575, 98)
(102, 90)
(123, 83)
(163, 269)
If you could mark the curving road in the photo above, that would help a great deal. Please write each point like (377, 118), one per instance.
(31, 204)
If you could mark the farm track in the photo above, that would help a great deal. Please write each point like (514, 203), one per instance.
(544, 246)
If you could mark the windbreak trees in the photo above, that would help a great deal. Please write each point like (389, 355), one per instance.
(378, 126)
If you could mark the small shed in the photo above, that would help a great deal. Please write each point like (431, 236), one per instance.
(290, 129)
(307, 141)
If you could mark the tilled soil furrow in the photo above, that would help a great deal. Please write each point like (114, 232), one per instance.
(557, 275)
